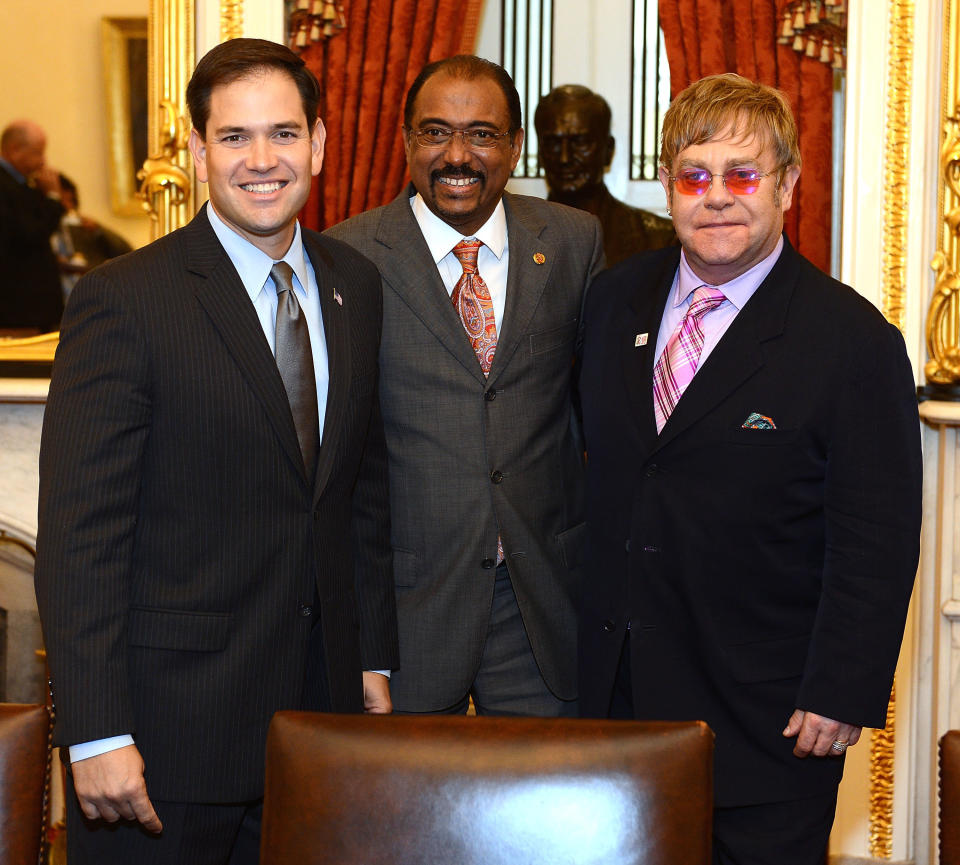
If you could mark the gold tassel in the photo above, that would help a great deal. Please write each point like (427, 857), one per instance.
(798, 43)
(826, 51)
(798, 22)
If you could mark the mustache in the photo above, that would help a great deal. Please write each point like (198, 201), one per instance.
(461, 171)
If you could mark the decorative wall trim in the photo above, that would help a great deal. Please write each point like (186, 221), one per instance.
(231, 19)
(894, 292)
(943, 316)
(897, 162)
(167, 184)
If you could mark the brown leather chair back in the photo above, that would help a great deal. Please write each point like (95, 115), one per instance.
(352, 789)
(24, 748)
(950, 798)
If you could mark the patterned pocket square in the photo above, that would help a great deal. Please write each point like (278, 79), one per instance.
(758, 421)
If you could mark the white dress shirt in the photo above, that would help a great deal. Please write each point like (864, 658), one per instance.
(493, 258)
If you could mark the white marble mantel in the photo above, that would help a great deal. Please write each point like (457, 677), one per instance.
(21, 417)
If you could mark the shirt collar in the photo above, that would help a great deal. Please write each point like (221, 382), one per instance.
(252, 264)
(16, 175)
(738, 291)
(441, 237)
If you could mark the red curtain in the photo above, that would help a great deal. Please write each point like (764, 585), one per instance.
(365, 71)
(698, 41)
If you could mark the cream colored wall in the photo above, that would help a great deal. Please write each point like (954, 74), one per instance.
(51, 72)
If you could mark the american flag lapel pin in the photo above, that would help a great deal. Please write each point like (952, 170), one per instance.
(641, 339)
(337, 298)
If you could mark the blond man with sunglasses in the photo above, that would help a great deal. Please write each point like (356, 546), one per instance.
(753, 493)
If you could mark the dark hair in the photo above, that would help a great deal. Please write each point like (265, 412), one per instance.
(467, 67)
(67, 185)
(240, 58)
(566, 93)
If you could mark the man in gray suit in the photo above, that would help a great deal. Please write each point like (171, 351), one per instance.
(482, 295)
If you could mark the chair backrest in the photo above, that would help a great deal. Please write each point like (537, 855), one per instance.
(352, 789)
(950, 798)
(24, 750)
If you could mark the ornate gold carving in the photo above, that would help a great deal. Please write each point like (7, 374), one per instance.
(167, 176)
(895, 215)
(231, 19)
(943, 316)
(881, 784)
(897, 162)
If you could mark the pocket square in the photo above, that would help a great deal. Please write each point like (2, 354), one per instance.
(758, 421)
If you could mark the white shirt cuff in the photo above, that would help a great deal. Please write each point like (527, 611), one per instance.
(99, 746)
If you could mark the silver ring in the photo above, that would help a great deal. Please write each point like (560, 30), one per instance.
(839, 747)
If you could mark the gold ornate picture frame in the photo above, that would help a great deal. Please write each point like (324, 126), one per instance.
(167, 178)
(125, 64)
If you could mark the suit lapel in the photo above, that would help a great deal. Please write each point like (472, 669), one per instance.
(644, 313)
(526, 281)
(222, 295)
(413, 276)
(337, 336)
(739, 353)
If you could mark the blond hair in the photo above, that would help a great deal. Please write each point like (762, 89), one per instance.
(719, 104)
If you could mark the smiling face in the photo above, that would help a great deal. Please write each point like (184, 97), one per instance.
(460, 184)
(259, 157)
(724, 235)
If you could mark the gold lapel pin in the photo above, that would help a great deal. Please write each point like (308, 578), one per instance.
(539, 257)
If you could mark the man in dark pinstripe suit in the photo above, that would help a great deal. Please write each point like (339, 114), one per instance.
(193, 575)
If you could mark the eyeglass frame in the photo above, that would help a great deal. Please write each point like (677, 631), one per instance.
(496, 137)
(760, 175)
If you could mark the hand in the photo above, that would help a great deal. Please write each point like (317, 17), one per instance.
(376, 694)
(111, 786)
(48, 180)
(815, 734)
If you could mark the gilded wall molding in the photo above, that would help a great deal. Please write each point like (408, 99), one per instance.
(231, 19)
(943, 316)
(897, 162)
(167, 184)
(894, 295)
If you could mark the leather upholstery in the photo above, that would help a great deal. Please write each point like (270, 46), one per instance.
(24, 731)
(351, 789)
(950, 798)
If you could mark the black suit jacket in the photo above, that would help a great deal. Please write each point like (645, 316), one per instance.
(183, 555)
(30, 293)
(760, 570)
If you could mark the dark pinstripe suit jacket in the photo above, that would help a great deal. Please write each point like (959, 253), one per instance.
(181, 547)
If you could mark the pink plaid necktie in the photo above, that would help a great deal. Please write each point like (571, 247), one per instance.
(676, 366)
(471, 297)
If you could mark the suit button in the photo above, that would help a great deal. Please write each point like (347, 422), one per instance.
(306, 610)
(609, 625)
(627, 545)
(487, 564)
(651, 470)
(490, 395)
(496, 476)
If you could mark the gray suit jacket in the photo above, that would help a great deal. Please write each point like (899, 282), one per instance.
(473, 457)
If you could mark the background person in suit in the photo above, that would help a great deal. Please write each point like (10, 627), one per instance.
(30, 211)
(576, 147)
(475, 390)
(210, 550)
(753, 542)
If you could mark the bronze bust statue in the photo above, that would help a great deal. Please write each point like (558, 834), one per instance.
(573, 125)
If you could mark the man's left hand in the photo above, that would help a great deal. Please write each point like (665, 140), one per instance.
(376, 694)
(816, 734)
